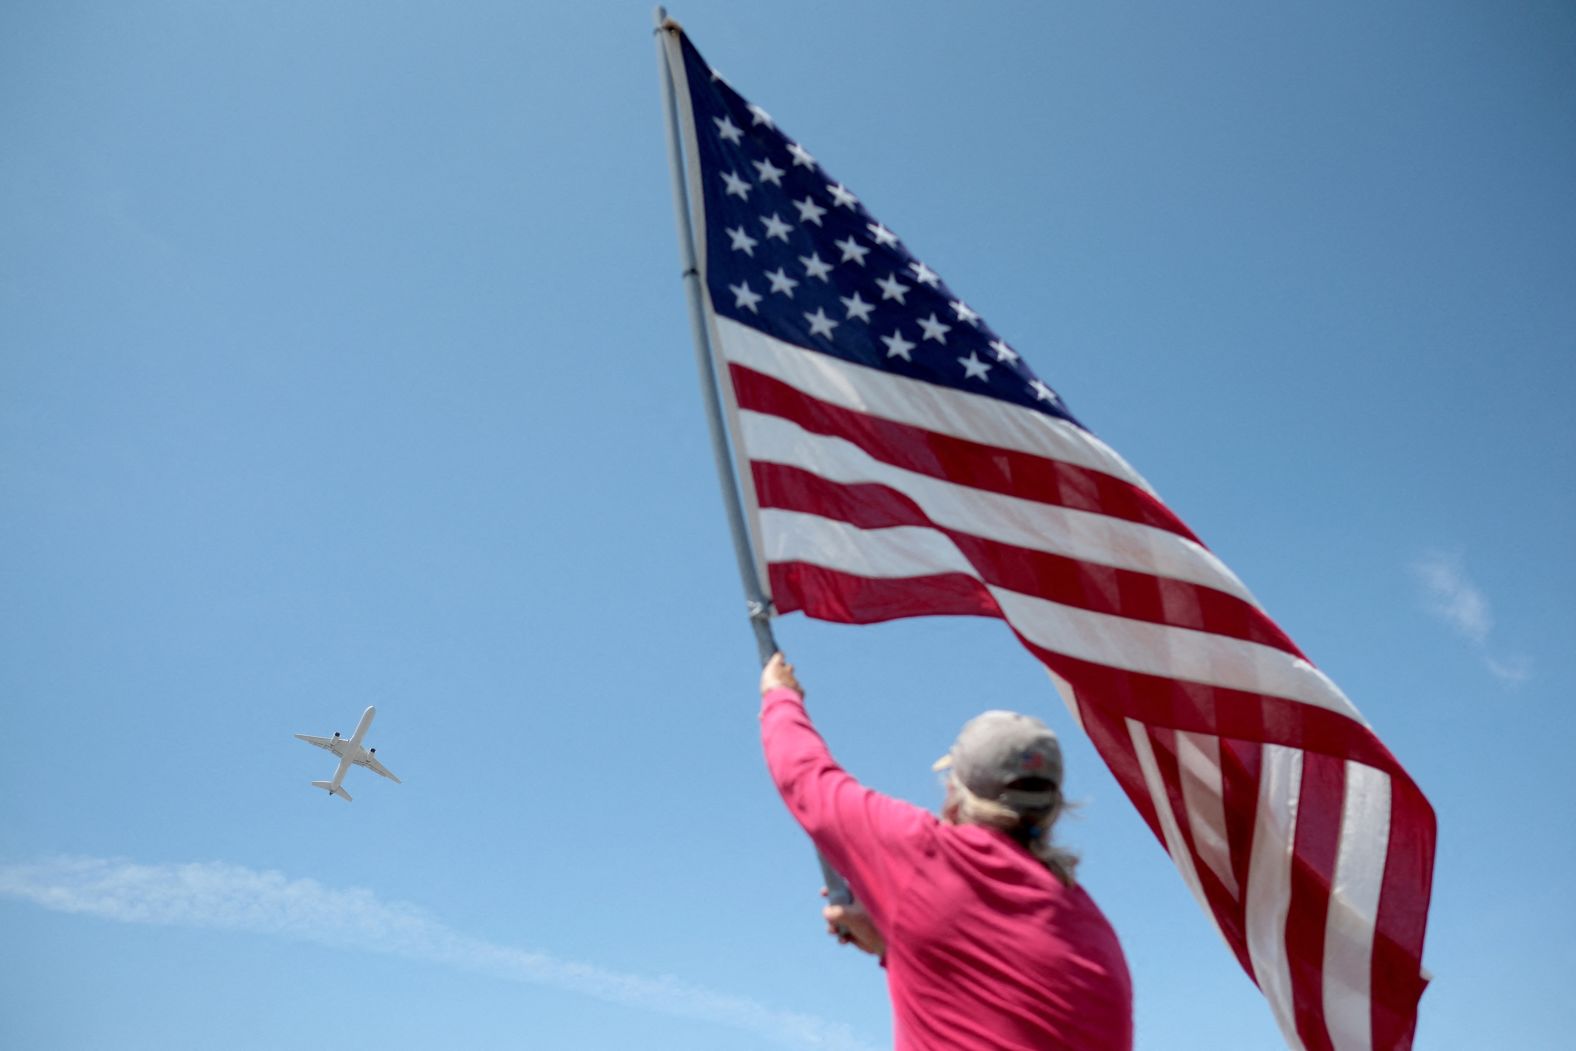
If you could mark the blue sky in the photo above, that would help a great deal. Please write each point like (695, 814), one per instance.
(344, 361)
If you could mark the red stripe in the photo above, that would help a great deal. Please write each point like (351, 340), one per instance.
(1403, 912)
(958, 460)
(1069, 581)
(1230, 915)
(1319, 803)
(1241, 767)
(827, 594)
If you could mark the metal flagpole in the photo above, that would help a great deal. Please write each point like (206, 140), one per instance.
(759, 603)
(754, 593)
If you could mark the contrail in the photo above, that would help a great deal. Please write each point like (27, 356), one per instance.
(215, 895)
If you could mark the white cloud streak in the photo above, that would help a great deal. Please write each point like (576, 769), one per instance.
(1452, 597)
(220, 896)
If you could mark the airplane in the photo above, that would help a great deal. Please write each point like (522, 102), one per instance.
(349, 752)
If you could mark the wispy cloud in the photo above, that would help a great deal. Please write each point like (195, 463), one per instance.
(220, 896)
(1452, 597)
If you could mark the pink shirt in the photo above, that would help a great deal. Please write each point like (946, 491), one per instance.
(985, 948)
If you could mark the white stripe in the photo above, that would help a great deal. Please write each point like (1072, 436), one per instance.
(1084, 535)
(1203, 791)
(920, 404)
(1269, 883)
(1171, 833)
(1138, 646)
(1354, 908)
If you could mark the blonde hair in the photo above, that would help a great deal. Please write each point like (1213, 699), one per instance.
(1031, 829)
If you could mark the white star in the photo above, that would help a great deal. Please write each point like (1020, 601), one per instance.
(815, 266)
(781, 282)
(1041, 391)
(742, 242)
(973, 366)
(769, 172)
(897, 346)
(852, 250)
(857, 307)
(743, 298)
(934, 329)
(736, 185)
(775, 227)
(1003, 352)
(801, 156)
(759, 116)
(727, 129)
(925, 275)
(881, 234)
(809, 211)
(820, 324)
(892, 288)
(964, 313)
(840, 195)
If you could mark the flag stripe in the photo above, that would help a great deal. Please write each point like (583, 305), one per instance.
(1071, 581)
(961, 460)
(1171, 750)
(1313, 870)
(1354, 907)
(1269, 884)
(1403, 913)
(1017, 520)
(899, 399)
(848, 598)
(1117, 642)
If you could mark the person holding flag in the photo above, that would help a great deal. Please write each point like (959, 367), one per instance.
(885, 453)
(987, 939)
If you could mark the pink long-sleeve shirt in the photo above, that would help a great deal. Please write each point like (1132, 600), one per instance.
(986, 949)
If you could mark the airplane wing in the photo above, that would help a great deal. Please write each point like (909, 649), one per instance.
(321, 742)
(371, 763)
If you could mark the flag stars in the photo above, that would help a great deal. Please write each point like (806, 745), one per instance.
(742, 241)
(882, 235)
(801, 156)
(769, 172)
(852, 249)
(775, 227)
(759, 116)
(925, 275)
(897, 346)
(1041, 392)
(781, 282)
(728, 130)
(809, 211)
(965, 314)
(857, 307)
(1004, 352)
(744, 298)
(737, 187)
(892, 288)
(841, 196)
(974, 368)
(820, 324)
(815, 266)
(934, 329)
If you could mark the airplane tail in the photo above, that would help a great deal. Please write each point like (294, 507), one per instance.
(332, 789)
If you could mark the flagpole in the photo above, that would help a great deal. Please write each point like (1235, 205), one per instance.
(758, 602)
(754, 594)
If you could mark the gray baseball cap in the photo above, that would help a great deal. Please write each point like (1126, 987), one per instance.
(996, 749)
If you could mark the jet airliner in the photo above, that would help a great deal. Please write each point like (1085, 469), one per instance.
(349, 751)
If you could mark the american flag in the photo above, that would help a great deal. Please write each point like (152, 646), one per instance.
(900, 458)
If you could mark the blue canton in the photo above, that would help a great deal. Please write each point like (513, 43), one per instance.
(795, 254)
